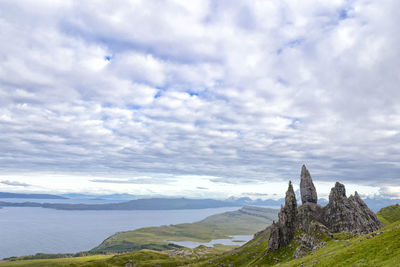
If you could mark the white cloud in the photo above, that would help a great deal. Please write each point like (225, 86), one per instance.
(242, 92)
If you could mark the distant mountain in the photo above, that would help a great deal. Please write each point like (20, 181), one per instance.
(160, 203)
(121, 197)
(31, 196)
(138, 204)
(376, 204)
(258, 202)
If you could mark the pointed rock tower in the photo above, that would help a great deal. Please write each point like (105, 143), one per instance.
(283, 231)
(307, 188)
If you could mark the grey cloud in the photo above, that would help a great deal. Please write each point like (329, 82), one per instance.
(198, 90)
(132, 181)
(255, 194)
(202, 188)
(14, 183)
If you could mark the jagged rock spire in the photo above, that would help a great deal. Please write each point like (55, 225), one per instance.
(351, 214)
(283, 231)
(307, 188)
(290, 200)
(337, 193)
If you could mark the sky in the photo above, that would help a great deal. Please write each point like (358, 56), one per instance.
(199, 98)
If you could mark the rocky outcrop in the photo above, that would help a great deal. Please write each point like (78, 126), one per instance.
(307, 188)
(287, 216)
(311, 240)
(283, 231)
(315, 223)
(308, 213)
(274, 241)
(351, 214)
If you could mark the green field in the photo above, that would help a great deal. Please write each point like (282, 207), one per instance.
(57, 262)
(245, 221)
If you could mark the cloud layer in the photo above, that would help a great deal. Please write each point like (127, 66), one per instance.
(244, 92)
(14, 183)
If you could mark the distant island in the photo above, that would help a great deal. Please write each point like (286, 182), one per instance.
(122, 202)
(30, 196)
(140, 204)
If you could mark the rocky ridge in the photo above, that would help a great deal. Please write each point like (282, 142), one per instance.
(315, 223)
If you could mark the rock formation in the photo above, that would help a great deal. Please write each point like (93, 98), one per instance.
(315, 223)
(307, 188)
(351, 214)
(283, 231)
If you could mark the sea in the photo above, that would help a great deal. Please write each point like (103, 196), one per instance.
(27, 231)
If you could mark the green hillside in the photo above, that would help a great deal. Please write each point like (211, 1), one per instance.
(381, 248)
(78, 261)
(389, 214)
(245, 221)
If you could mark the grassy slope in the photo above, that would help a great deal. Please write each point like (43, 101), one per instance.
(242, 222)
(389, 214)
(369, 250)
(56, 262)
(243, 256)
(181, 257)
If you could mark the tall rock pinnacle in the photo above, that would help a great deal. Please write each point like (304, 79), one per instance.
(307, 188)
(283, 231)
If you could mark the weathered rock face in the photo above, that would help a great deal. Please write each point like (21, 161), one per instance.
(316, 223)
(287, 216)
(274, 241)
(351, 214)
(283, 231)
(311, 240)
(307, 188)
(308, 213)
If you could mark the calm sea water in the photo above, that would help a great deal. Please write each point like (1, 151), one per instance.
(235, 240)
(27, 231)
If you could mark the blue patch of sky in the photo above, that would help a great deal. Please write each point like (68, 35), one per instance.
(158, 94)
(110, 129)
(343, 14)
(193, 93)
(107, 58)
(295, 123)
(282, 81)
(291, 44)
(107, 105)
(133, 107)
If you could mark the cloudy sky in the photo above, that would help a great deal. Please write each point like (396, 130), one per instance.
(199, 98)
